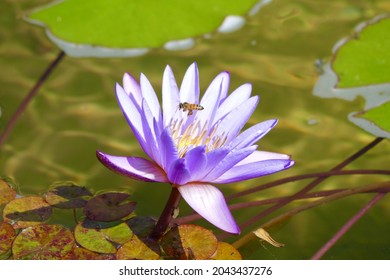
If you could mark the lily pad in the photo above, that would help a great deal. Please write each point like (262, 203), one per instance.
(67, 195)
(6, 192)
(79, 253)
(139, 249)
(189, 242)
(360, 67)
(102, 240)
(27, 211)
(109, 207)
(129, 28)
(43, 242)
(225, 251)
(141, 226)
(7, 235)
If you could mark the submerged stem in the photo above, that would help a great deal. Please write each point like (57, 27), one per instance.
(166, 215)
(27, 99)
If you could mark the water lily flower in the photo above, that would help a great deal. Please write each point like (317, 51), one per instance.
(194, 144)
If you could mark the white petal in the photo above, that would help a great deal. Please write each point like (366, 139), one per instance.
(209, 202)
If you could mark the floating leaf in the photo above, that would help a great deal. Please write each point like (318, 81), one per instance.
(225, 251)
(109, 207)
(67, 195)
(27, 211)
(72, 24)
(79, 253)
(102, 240)
(189, 242)
(359, 67)
(375, 120)
(264, 235)
(141, 226)
(140, 249)
(43, 242)
(6, 192)
(7, 235)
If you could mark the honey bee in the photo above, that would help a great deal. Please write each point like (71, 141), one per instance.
(185, 106)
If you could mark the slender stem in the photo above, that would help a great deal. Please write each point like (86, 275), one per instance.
(346, 227)
(308, 187)
(167, 214)
(27, 99)
(284, 216)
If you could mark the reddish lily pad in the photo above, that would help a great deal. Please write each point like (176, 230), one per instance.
(6, 192)
(189, 242)
(109, 207)
(79, 253)
(27, 211)
(141, 226)
(103, 240)
(225, 251)
(139, 249)
(7, 235)
(43, 242)
(67, 195)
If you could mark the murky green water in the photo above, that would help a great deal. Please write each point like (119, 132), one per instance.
(75, 113)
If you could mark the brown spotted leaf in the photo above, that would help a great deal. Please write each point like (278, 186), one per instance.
(139, 249)
(102, 240)
(189, 242)
(7, 235)
(79, 253)
(67, 195)
(109, 207)
(6, 192)
(225, 251)
(43, 242)
(27, 211)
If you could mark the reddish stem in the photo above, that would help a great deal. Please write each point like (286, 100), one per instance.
(346, 227)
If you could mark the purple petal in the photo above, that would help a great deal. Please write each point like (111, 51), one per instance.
(213, 158)
(132, 88)
(209, 202)
(189, 89)
(237, 97)
(178, 173)
(228, 162)
(231, 125)
(151, 98)
(252, 134)
(212, 96)
(170, 96)
(254, 170)
(133, 167)
(149, 132)
(262, 155)
(196, 161)
(168, 149)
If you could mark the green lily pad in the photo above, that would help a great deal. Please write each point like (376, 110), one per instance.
(364, 59)
(6, 192)
(375, 120)
(225, 251)
(27, 211)
(189, 242)
(67, 195)
(360, 67)
(139, 249)
(92, 27)
(109, 207)
(102, 240)
(43, 242)
(7, 235)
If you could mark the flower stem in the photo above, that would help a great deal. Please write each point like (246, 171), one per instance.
(166, 215)
(27, 99)
(346, 227)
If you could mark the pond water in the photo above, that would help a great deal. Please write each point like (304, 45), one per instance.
(75, 113)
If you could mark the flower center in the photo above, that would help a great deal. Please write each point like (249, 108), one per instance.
(195, 134)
